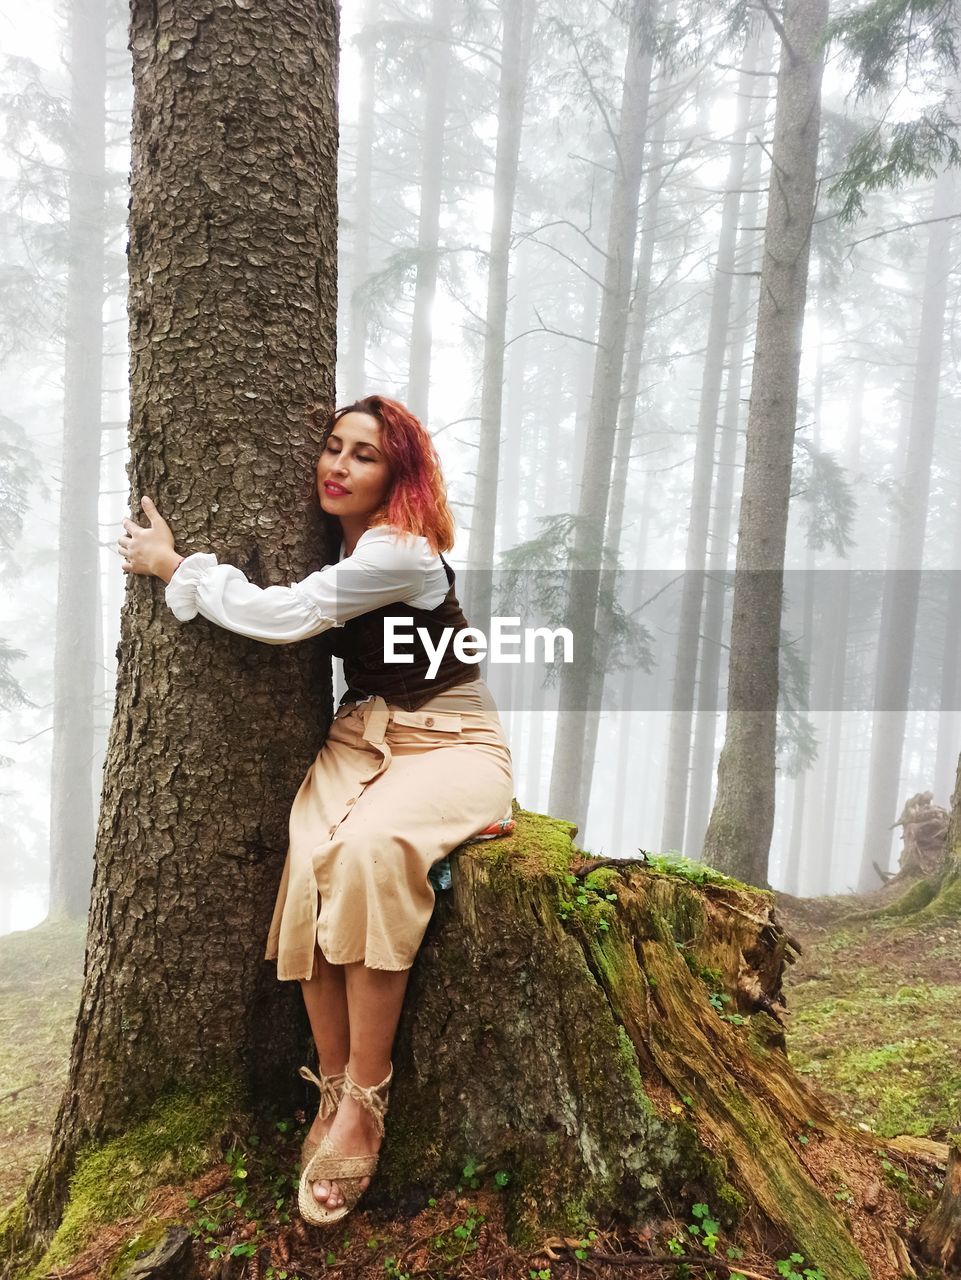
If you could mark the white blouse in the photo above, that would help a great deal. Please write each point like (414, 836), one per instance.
(387, 567)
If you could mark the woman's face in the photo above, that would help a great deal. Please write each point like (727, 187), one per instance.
(353, 476)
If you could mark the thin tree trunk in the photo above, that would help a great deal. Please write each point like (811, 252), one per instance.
(627, 433)
(581, 613)
(428, 233)
(518, 18)
(354, 374)
(742, 313)
(792, 862)
(902, 582)
(832, 677)
(693, 585)
(739, 833)
(76, 655)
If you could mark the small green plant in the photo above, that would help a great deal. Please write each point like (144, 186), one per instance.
(587, 903)
(706, 1228)
(392, 1267)
(543, 1274)
(787, 1267)
(453, 1245)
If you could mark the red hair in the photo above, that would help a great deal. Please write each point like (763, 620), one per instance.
(416, 501)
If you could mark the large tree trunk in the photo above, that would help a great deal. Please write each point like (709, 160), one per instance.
(738, 837)
(76, 653)
(581, 612)
(902, 582)
(232, 329)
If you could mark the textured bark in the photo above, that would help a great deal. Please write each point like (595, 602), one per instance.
(428, 231)
(693, 582)
(739, 833)
(576, 678)
(518, 21)
(902, 581)
(232, 330)
(76, 651)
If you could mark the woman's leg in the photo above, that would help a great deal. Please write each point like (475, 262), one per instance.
(375, 998)
(325, 997)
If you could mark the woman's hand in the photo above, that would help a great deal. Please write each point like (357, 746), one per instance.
(150, 550)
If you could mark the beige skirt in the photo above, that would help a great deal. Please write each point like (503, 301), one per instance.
(390, 793)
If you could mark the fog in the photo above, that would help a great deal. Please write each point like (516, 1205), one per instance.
(480, 301)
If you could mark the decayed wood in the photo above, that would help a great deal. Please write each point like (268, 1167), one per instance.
(940, 1232)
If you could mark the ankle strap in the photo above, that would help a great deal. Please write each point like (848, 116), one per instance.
(369, 1097)
(330, 1089)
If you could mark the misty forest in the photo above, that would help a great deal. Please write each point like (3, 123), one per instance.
(674, 288)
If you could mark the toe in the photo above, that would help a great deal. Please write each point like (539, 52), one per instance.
(321, 1191)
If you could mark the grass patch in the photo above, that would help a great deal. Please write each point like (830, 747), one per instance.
(41, 971)
(876, 1022)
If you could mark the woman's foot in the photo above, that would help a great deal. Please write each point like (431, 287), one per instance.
(353, 1132)
(331, 1088)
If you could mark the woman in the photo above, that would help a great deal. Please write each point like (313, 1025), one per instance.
(414, 764)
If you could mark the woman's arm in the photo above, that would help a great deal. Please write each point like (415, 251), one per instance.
(385, 567)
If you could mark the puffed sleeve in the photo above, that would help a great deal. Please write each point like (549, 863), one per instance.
(385, 567)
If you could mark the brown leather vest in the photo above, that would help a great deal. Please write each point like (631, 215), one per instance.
(360, 642)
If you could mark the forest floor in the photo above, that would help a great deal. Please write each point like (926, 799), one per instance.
(875, 1019)
(875, 1015)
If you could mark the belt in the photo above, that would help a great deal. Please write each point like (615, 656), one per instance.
(376, 716)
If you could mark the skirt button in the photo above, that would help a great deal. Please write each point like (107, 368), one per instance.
(429, 721)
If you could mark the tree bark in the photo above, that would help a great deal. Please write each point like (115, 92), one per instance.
(739, 833)
(76, 654)
(232, 330)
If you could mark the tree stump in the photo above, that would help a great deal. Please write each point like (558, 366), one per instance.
(611, 1042)
(940, 1232)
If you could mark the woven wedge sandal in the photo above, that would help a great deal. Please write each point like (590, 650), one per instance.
(331, 1165)
(331, 1087)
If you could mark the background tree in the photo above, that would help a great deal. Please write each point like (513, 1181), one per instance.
(739, 832)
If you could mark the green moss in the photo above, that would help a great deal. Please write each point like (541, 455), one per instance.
(946, 905)
(13, 1224)
(145, 1240)
(538, 846)
(633, 1071)
(177, 1141)
(602, 879)
(913, 899)
(699, 873)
